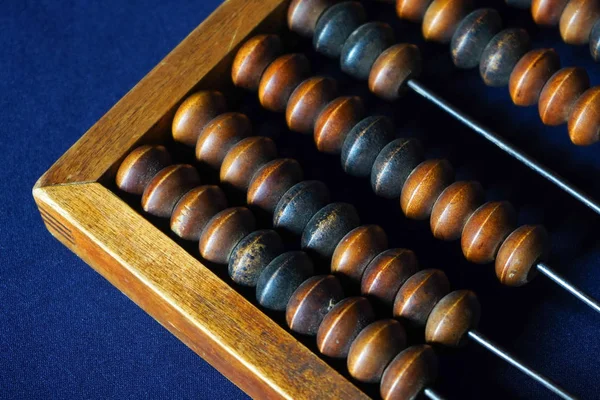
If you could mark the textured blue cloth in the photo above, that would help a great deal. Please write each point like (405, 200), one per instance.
(65, 332)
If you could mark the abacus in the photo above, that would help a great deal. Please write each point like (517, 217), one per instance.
(184, 205)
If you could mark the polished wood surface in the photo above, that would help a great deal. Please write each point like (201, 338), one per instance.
(577, 20)
(223, 232)
(387, 272)
(454, 207)
(472, 35)
(140, 166)
(272, 181)
(307, 102)
(393, 69)
(531, 74)
(452, 318)
(244, 159)
(547, 12)
(193, 211)
(522, 249)
(219, 136)
(194, 113)
(280, 79)
(442, 18)
(253, 58)
(335, 122)
(167, 187)
(584, 120)
(409, 373)
(560, 94)
(419, 294)
(413, 10)
(501, 55)
(356, 250)
(302, 15)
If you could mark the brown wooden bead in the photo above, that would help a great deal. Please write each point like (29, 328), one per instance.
(271, 182)
(195, 209)
(307, 102)
(167, 187)
(547, 12)
(280, 79)
(342, 325)
(412, 10)
(515, 263)
(442, 18)
(454, 207)
(560, 94)
(303, 15)
(223, 232)
(220, 135)
(335, 122)
(584, 121)
(253, 58)
(387, 273)
(357, 249)
(245, 158)
(531, 74)
(409, 373)
(140, 166)
(452, 318)
(419, 294)
(485, 231)
(374, 348)
(393, 69)
(194, 113)
(423, 187)
(577, 20)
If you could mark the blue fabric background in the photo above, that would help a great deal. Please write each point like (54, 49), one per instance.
(67, 333)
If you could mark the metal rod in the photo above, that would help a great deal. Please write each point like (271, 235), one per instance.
(591, 302)
(432, 394)
(494, 348)
(504, 145)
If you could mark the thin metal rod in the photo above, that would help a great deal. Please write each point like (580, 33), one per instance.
(504, 145)
(494, 348)
(432, 394)
(591, 302)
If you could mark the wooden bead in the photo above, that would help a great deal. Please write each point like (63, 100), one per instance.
(472, 35)
(335, 25)
(393, 69)
(357, 249)
(531, 74)
(195, 209)
(219, 136)
(374, 348)
(452, 318)
(335, 122)
(519, 3)
(384, 276)
(363, 46)
(280, 79)
(140, 166)
(595, 41)
(577, 20)
(194, 113)
(442, 18)
(412, 10)
(485, 231)
(271, 182)
(307, 102)
(244, 159)
(515, 263)
(309, 304)
(423, 187)
(281, 278)
(342, 325)
(223, 232)
(560, 94)
(252, 255)
(167, 187)
(454, 207)
(419, 294)
(547, 12)
(393, 165)
(253, 58)
(409, 373)
(502, 54)
(299, 204)
(327, 228)
(584, 122)
(303, 15)
(363, 144)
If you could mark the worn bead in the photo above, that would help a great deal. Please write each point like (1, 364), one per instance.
(167, 187)
(280, 79)
(531, 74)
(219, 136)
(454, 207)
(335, 25)
(195, 209)
(252, 255)
(374, 348)
(327, 228)
(412, 10)
(384, 276)
(363, 47)
(194, 113)
(307, 102)
(442, 18)
(271, 182)
(485, 231)
(244, 159)
(584, 121)
(577, 20)
(393, 69)
(452, 318)
(342, 325)
(223, 232)
(560, 94)
(472, 35)
(363, 144)
(502, 54)
(409, 373)
(419, 294)
(393, 165)
(357, 249)
(423, 187)
(299, 204)
(595, 41)
(547, 12)
(303, 15)
(515, 263)
(140, 166)
(519, 3)
(335, 122)
(253, 58)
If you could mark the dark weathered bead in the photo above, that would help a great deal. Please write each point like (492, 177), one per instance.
(522, 249)
(253, 58)
(452, 318)
(472, 36)
(387, 273)
(595, 41)
(342, 325)
(393, 165)
(531, 74)
(442, 17)
(409, 373)
(303, 15)
(278, 281)
(327, 228)
(223, 232)
(195, 209)
(271, 182)
(501, 55)
(167, 187)
(335, 122)
(309, 304)
(307, 102)
(393, 69)
(244, 159)
(519, 3)
(577, 20)
(584, 121)
(299, 204)
(363, 47)
(280, 79)
(140, 166)
(252, 255)
(219, 136)
(335, 25)
(194, 113)
(363, 144)
(560, 94)
(374, 348)
(547, 12)
(412, 10)
(419, 294)
(454, 207)
(357, 249)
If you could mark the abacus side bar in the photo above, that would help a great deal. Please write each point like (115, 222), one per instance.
(432, 394)
(546, 270)
(505, 146)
